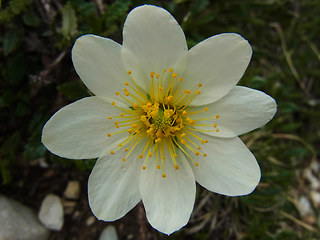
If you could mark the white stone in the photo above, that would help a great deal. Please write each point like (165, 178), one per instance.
(305, 208)
(51, 212)
(18, 222)
(314, 182)
(109, 233)
(315, 196)
(72, 190)
(90, 220)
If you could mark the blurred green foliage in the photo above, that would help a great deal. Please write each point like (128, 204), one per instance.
(37, 78)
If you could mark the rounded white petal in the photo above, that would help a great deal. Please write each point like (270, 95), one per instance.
(98, 62)
(113, 186)
(241, 110)
(168, 201)
(152, 41)
(217, 63)
(229, 167)
(79, 130)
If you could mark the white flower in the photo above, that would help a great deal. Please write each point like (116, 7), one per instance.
(162, 118)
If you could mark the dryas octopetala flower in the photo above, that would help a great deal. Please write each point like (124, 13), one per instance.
(162, 118)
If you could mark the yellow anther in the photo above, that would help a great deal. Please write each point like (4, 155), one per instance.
(183, 141)
(180, 79)
(144, 167)
(116, 126)
(176, 167)
(188, 92)
(117, 93)
(204, 141)
(121, 114)
(204, 154)
(120, 145)
(157, 140)
(206, 109)
(198, 92)
(129, 72)
(149, 154)
(135, 105)
(199, 85)
(126, 150)
(184, 113)
(197, 153)
(140, 156)
(127, 94)
(126, 83)
(168, 113)
(217, 130)
(158, 166)
(149, 104)
(164, 70)
(215, 125)
(110, 118)
(113, 103)
(170, 69)
(133, 125)
(158, 75)
(169, 98)
(175, 155)
(123, 159)
(152, 74)
(126, 90)
(174, 75)
(185, 91)
(217, 116)
(160, 88)
(112, 152)
(129, 130)
(159, 134)
(163, 175)
(116, 122)
(199, 148)
(163, 157)
(190, 121)
(109, 135)
(183, 135)
(196, 164)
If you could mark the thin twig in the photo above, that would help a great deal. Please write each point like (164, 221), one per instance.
(299, 222)
(287, 55)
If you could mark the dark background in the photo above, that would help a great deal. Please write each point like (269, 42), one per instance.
(37, 78)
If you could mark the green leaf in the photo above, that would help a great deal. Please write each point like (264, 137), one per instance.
(10, 42)
(73, 90)
(31, 19)
(6, 175)
(69, 22)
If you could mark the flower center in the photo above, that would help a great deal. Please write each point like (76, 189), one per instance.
(161, 120)
(161, 116)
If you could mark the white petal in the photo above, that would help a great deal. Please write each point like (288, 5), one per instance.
(152, 41)
(217, 63)
(240, 111)
(113, 187)
(229, 167)
(79, 130)
(109, 233)
(98, 62)
(168, 201)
